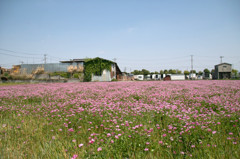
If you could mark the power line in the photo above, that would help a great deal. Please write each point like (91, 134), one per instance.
(18, 52)
(18, 56)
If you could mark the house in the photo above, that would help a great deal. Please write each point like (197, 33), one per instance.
(222, 71)
(100, 72)
(95, 69)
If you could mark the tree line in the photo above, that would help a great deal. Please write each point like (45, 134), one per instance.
(176, 71)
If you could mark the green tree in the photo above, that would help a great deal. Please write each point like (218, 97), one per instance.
(174, 71)
(179, 71)
(165, 72)
(186, 72)
(145, 72)
(161, 72)
(192, 71)
(135, 72)
(200, 73)
(212, 71)
(206, 72)
(234, 72)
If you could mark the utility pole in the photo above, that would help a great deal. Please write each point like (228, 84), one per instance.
(45, 58)
(221, 58)
(192, 64)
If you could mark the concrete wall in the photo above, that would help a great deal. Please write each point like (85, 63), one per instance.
(106, 76)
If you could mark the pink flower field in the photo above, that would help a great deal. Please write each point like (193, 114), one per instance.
(174, 119)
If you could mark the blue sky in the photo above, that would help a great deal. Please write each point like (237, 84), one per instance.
(150, 34)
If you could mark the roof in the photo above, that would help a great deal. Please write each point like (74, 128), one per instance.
(74, 60)
(83, 60)
(223, 64)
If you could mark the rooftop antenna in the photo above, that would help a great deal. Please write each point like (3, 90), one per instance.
(221, 57)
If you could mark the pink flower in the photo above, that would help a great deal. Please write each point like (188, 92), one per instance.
(80, 145)
(160, 142)
(74, 156)
(146, 149)
(164, 135)
(71, 130)
(214, 132)
(147, 143)
(99, 149)
(53, 137)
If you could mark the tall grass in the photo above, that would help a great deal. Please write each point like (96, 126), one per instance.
(121, 120)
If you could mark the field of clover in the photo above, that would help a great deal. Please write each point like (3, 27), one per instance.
(151, 119)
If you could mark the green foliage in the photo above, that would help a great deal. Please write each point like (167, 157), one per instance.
(77, 75)
(206, 71)
(200, 73)
(95, 66)
(186, 72)
(142, 72)
(165, 71)
(113, 80)
(62, 74)
(234, 72)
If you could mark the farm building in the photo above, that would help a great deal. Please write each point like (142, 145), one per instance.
(139, 77)
(153, 77)
(177, 77)
(156, 76)
(96, 69)
(223, 71)
(173, 77)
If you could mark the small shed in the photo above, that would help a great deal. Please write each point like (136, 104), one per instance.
(167, 78)
(223, 71)
(139, 77)
(177, 77)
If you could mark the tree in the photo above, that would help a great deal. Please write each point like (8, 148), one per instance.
(145, 72)
(186, 72)
(200, 73)
(161, 72)
(165, 71)
(135, 72)
(212, 71)
(206, 72)
(234, 72)
(179, 71)
(156, 72)
(171, 71)
(174, 71)
(192, 71)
